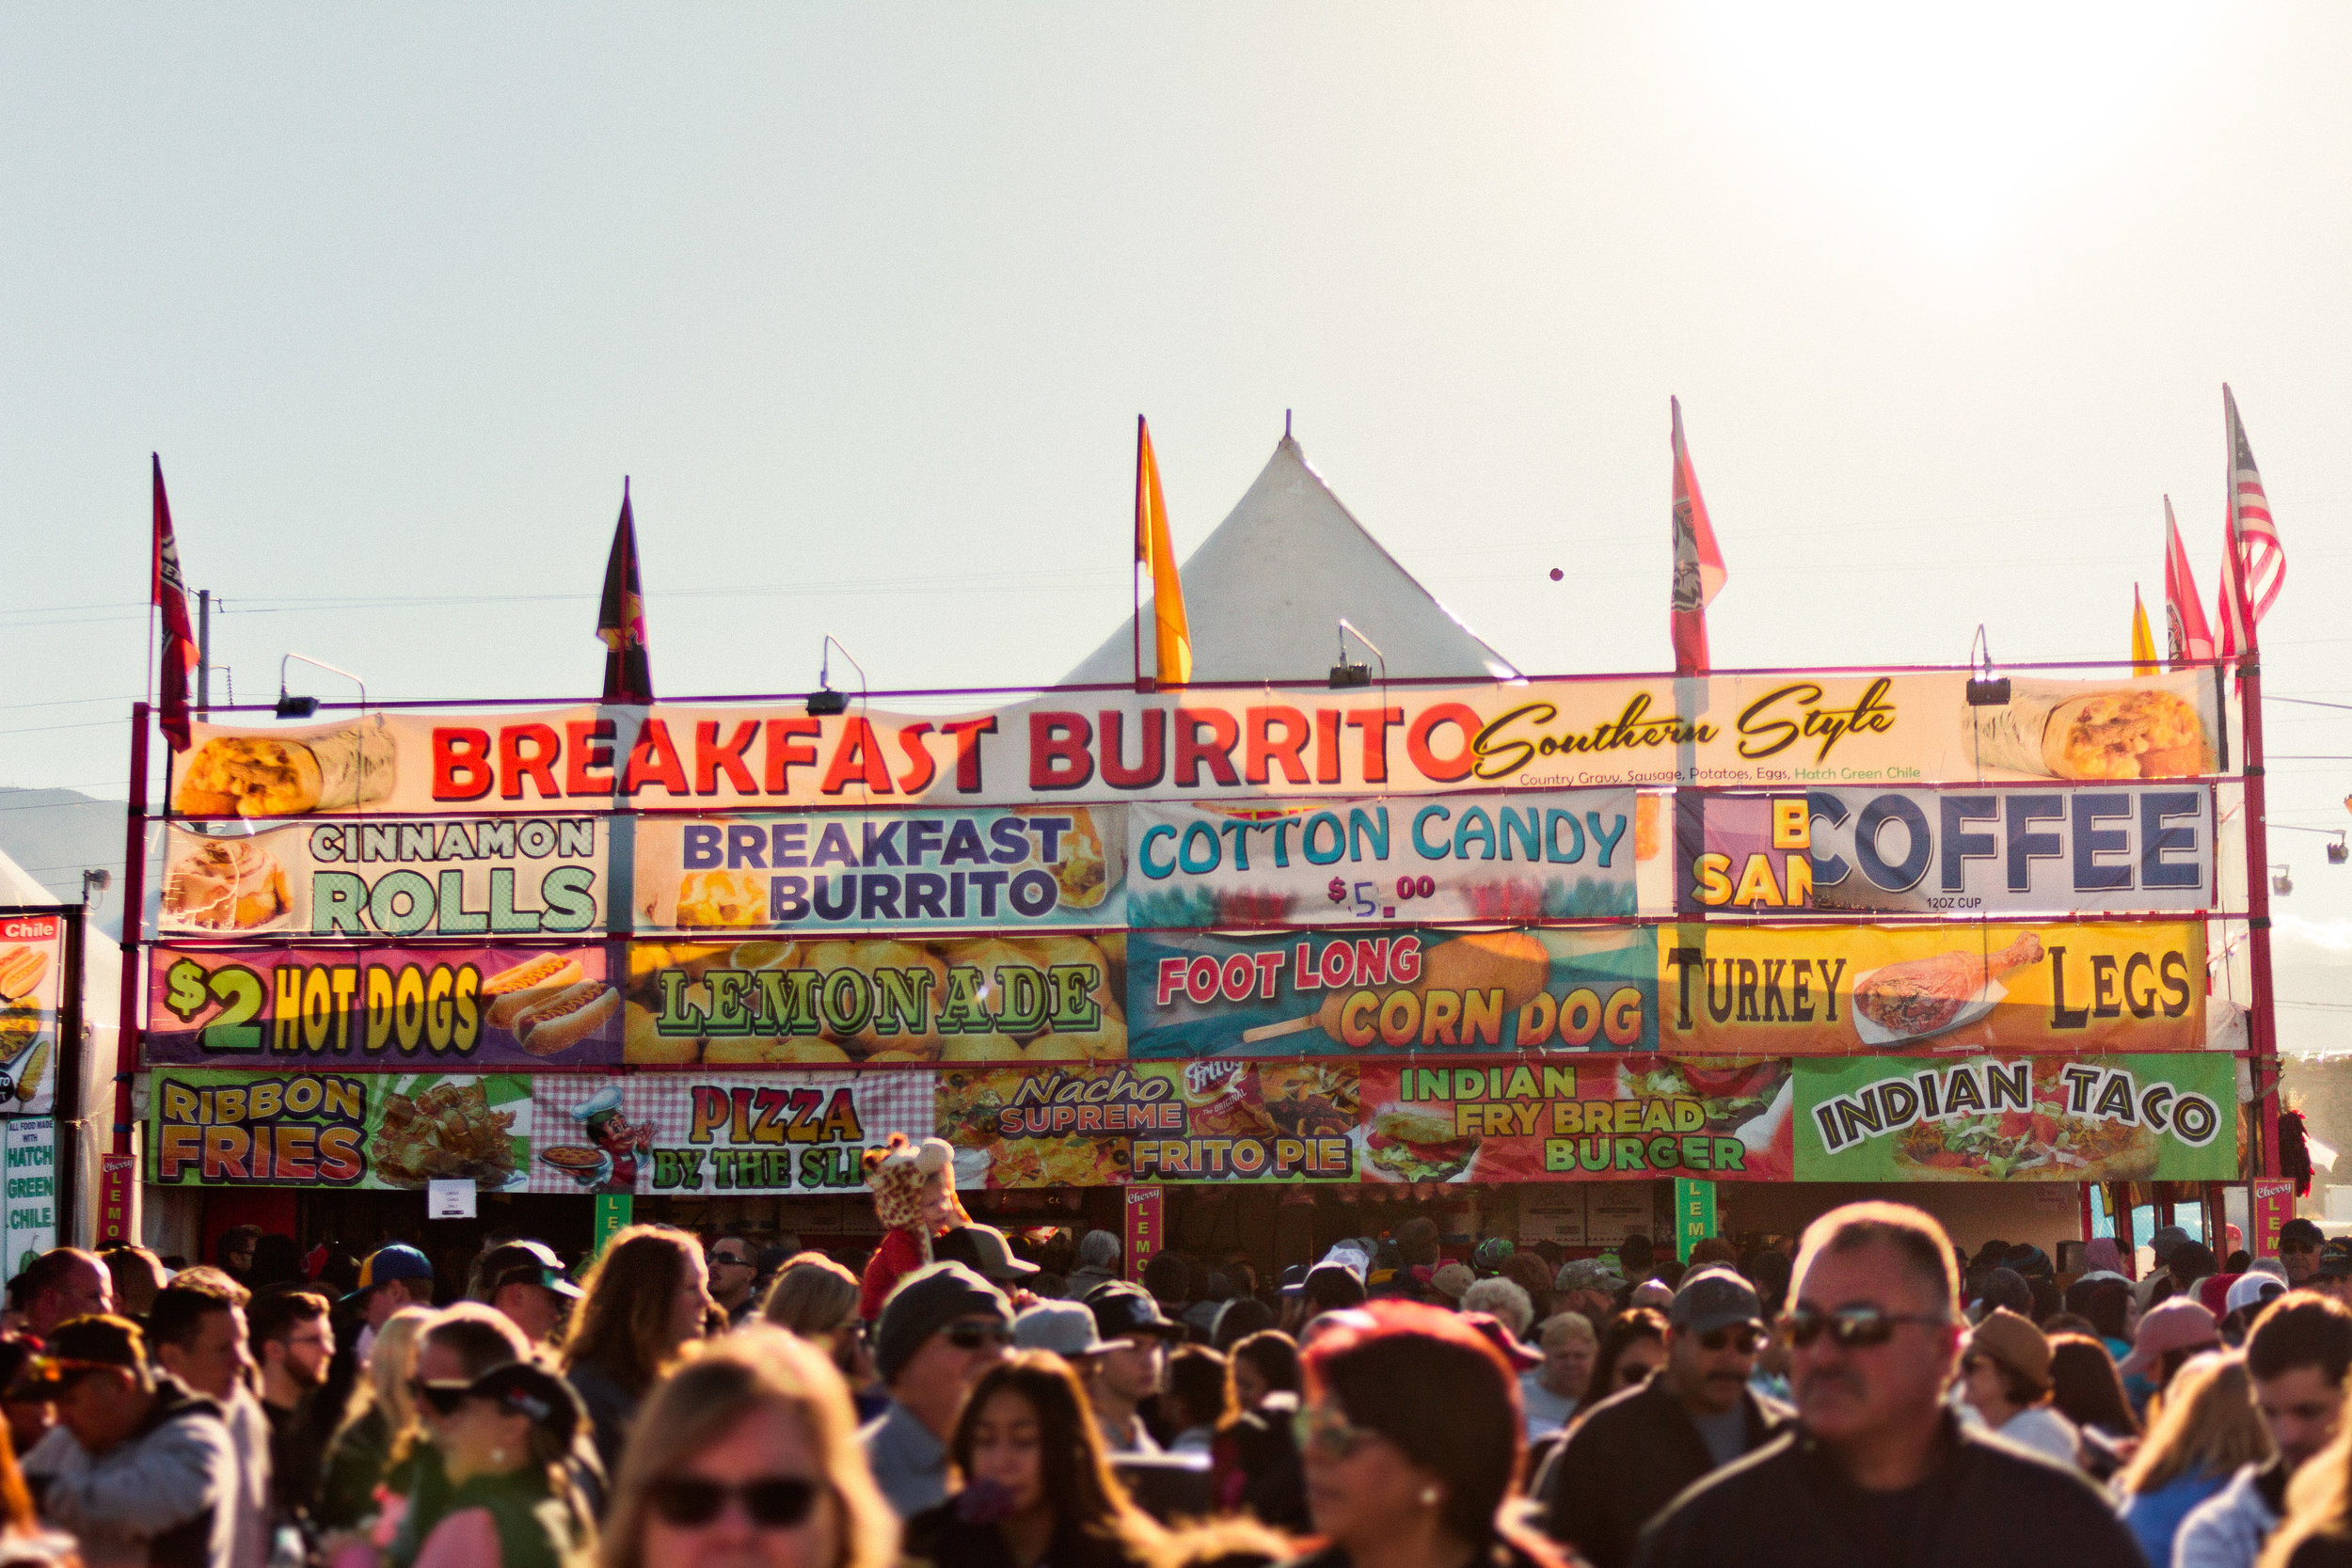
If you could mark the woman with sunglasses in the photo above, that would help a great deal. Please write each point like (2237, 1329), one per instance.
(646, 1297)
(505, 1439)
(748, 1454)
(817, 1299)
(1632, 1347)
(1038, 1487)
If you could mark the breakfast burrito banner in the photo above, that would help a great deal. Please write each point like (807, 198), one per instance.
(32, 970)
(1535, 855)
(374, 1131)
(1071, 747)
(381, 1009)
(2085, 848)
(2023, 1119)
(1828, 991)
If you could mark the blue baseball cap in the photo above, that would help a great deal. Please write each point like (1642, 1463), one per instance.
(397, 1261)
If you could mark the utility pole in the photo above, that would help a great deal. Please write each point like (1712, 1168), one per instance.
(203, 649)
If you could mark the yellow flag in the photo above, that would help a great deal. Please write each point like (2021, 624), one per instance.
(1171, 641)
(2143, 646)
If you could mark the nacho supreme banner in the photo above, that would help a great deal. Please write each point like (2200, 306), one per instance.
(1150, 1123)
(806, 872)
(1596, 1118)
(374, 878)
(381, 1009)
(1542, 855)
(2088, 849)
(688, 1133)
(1765, 730)
(1392, 992)
(2024, 1118)
(337, 1130)
(835, 1003)
(1823, 990)
(32, 971)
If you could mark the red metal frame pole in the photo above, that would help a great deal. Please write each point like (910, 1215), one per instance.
(2261, 1037)
(134, 910)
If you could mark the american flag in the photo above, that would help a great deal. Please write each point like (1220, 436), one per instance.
(2254, 563)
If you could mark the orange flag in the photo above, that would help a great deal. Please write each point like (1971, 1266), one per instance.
(1171, 637)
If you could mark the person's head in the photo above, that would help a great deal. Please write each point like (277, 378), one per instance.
(1531, 1274)
(2005, 1367)
(1196, 1381)
(1713, 1331)
(393, 1277)
(292, 1336)
(2299, 1240)
(512, 1417)
(1632, 1347)
(987, 1252)
(1135, 1337)
(1028, 1434)
(2172, 1332)
(746, 1456)
(96, 1373)
(63, 1284)
(1169, 1281)
(526, 1281)
(2204, 1424)
(197, 1330)
(1873, 1330)
(136, 1274)
(1099, 1250)
(2298, 1354)
(1569, 1346)
(1636, 1253)
(456, 1346)
(2107, 1303)
(2005, 1289)
(1417, 1241)
(813, 1296)
(942, 1327)
(1262, 1363)
(233, 1251)
(1331, 1288)
(1237, 1320)
(2190, 1262)
(28, 1420)
(392, 1360)
(733, 1266)
(1505, 1299)
(2332, 1274)
(644, 1299)
(2085, 1386)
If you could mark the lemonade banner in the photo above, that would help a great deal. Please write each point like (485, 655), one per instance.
(812, 873)
(2018, 1118)
(685, 1134)
(2086, 848)
(377, 877)
(32, 974)
(1307, 993)
(381, 1009)
(1735, 988)
(375, 1130)
(1538, 855)
(1084, 747)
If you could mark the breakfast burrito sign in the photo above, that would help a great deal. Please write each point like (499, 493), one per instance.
(1076, 748)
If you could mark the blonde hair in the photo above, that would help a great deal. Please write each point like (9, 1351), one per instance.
(813, 1295)
(621, 1323)
(718, 1383)
(2319, 1500)
(2206, 1423)
(1506, 1299)
(391, 1359)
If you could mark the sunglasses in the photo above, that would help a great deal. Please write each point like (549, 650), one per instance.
(443, 1398)
(731, 1259)
(1746, 1337)
(773, 1502)
(1324, 1429)
(2285, 1247)
(978, 1335)
(1851, 1327)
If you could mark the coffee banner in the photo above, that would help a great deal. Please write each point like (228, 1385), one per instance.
(686, 1135)
(1307, 993)
(2022, 1118)
(1735, 988)
(32, 978)
(2088, 849)
(1540, 855)
(375, 1130)
(381, 1009)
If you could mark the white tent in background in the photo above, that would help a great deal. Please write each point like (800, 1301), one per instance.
(1265, 592)
(101, 1011)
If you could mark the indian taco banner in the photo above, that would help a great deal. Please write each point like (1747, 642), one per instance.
(687, 1134)
(1596, 1118)
(337, 1130)
(2026, 1119)
(1743, 990)
(381, 1009)
(1945, 851)
(1054, 997)
(486, 877)
(1492, 858)
(882, 871)
(1307, 993)
(32, 971)
(1150, 1123)
(1767, 729)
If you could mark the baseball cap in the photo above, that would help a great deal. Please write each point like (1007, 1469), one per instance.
(1064, 1327)
(527, 1263)
(2300, 1230)
(1491, 1255)
(1295, 1280)
(1714, 1298)
(79, 1346)
(2335, 1259)
(2165, 1240)
(533, 1393)
(1499, 1335)
(2015, 1342)
(1452, 1279)
(2169, 1325)
(2252, 1290)
(1123, 1311)
(397, 1261)
(981, 1248)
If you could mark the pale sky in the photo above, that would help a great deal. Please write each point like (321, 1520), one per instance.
(866, 300)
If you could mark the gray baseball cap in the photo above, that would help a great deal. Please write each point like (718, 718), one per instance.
(1714, 1298)
(1064, 1327)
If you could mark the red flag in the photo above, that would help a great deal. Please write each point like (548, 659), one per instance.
(2187, 635)
(1698, 564)
(621, 617)
(167, 592)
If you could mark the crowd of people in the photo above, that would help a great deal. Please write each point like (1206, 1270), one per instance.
(1020, 1403)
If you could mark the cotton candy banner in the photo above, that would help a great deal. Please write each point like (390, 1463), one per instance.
(337, 1130)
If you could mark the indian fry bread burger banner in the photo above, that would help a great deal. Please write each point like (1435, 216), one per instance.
(1735, 988)
(1767, 729)
(840, 1002)
(1587, 1118)
(381, 1009)
(1489, 858)
(2088, 849)
(1392, 992)
(32, 974)
(373, 1131)
(882, 871)
(387, 877)
(2028, 1118)
(1150, 1123)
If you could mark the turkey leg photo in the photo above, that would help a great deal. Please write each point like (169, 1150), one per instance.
(1919, 997)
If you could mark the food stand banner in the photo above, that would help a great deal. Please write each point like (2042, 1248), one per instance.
(381, 1009)
(1080, 746)
(1539, 855)
(2023, 1119)
(1946, 851)
(684, 1134)
(374, 878)
(906, 870)
(1744, 989)
(1580, 1118)
(1307, 993)
(1153, 1122)
(32, 974)
(375, 1130)
(841, 1002)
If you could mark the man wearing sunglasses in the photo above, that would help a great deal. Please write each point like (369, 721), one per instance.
(734, 1270)
(2299, 1240)
(942, 1327)
(1638, 1448)
(1877, 1469)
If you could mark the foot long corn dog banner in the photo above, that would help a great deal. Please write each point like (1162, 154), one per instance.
(32, 970)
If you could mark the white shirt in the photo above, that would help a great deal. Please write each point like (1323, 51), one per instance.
(2041, 1428)
(1547, 1412)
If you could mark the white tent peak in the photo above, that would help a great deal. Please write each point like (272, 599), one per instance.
(1265, 594)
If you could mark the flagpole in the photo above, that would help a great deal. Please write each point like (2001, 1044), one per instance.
(2262, 1032)
(1135, 568)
